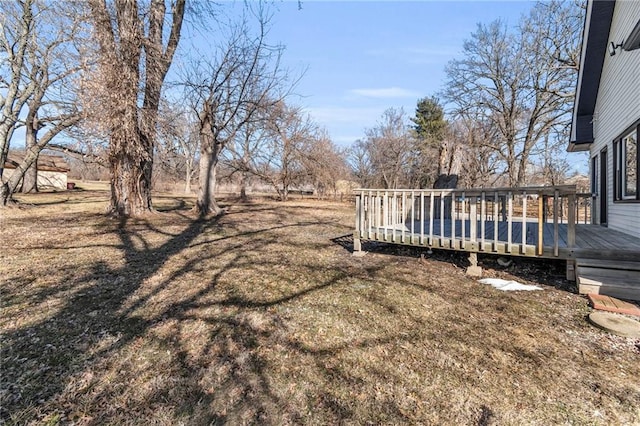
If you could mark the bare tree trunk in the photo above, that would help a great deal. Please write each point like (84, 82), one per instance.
(130, 187)
(187, 183)
(244, 178)
(5, 194)
(206, 203)
(284, 194)
(6, 133)
(9, 187)
(30, 180)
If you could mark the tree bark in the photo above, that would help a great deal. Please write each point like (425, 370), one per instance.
(5, 194)
(128, 161)
(30, 180)
(187, 183)
(206, 203)
(244, 178)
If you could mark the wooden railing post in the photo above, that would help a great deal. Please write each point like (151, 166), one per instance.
(453, 220)
(495, 220)
(541, 201)
(394, 215)
(509, 221)
(473, 220)
(413, 216)
(483, 216)
(463, 221)
(571, 219)
(422, 218)
(431, 213)
(555, 222)
(523, 249)
(385, 213)
(370, 213)
(357, 246)
(442, 219)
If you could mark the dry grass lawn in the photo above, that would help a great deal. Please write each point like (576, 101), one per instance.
(265, 317)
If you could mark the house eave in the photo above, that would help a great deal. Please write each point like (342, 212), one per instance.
(579, 146)
(633, 41)
(594, 48)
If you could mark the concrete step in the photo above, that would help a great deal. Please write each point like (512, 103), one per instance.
(614, 278)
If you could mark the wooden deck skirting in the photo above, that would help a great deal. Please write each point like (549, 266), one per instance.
(550, 222)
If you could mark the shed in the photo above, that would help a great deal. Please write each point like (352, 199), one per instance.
(52, 169)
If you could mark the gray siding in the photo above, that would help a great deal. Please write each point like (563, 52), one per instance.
(618, 107)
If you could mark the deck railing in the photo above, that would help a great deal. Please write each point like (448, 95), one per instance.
(531, 221)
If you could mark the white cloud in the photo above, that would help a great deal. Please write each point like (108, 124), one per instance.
(386, 93)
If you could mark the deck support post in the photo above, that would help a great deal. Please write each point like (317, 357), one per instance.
(357, 244)
(474, 270)
(571, 270)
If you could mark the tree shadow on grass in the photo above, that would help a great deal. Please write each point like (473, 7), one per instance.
(39, 359)
(49, 360)
(178, 333)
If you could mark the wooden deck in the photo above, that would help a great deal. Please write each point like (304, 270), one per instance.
(600, 242)
(546, 222)
(550, 222)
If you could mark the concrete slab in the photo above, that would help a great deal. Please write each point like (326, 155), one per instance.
(615, 323)
(474, 271)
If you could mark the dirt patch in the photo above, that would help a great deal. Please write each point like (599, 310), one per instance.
(264, 316)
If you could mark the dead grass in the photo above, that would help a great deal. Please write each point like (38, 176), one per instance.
(263, 316)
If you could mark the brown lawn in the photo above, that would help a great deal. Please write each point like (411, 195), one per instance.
(265, 317)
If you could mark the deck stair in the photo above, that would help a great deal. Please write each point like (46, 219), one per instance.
(616, 278)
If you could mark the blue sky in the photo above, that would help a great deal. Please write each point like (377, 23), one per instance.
(363, 57)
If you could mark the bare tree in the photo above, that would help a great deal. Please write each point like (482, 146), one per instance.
(389, 151)
(360, 163)
(244, 151)
(521, 81)
(285, 149)
(325, 164)
(16, 23)
(50, 65)
(178, 142)
(479, 164)
(245, 77)
(137, 45)
(280, 160)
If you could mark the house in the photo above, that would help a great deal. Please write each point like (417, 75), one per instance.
(52, 169)
(606, 116)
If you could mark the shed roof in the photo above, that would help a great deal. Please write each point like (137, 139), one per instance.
(48, 163)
